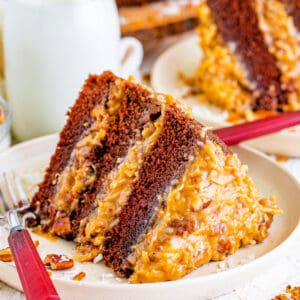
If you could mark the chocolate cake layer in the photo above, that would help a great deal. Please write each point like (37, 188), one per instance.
(293, 9)
(238, 23)
(165, 163)
(134, 112)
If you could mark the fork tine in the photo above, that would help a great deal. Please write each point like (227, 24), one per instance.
(3, 200)
(20, 189)
(11, 191)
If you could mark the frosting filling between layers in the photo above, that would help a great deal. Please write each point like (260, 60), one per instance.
(211, 211)
(113, 197)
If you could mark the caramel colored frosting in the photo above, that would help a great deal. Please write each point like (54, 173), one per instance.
(211, 212)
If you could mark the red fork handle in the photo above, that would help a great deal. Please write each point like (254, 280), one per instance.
(32, 272)
(242, 132)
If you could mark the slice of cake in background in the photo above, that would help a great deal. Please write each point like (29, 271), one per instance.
(136, 180)
(151, 21)
(251, 57)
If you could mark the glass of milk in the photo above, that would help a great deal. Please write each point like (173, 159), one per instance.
(50, 48)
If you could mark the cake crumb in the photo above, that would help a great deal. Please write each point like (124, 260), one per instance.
(147, 78)
(6, 255)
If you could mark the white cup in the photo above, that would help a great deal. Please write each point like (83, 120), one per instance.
(50, 47)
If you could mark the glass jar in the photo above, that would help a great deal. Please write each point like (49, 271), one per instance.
(5, 138)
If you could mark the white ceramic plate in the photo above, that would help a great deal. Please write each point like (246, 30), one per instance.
(184, 57)
(30, 158)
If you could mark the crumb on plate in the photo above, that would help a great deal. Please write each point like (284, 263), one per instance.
(6, 255)
(58, 262)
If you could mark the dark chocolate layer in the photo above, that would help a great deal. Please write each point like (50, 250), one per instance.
(237, 22)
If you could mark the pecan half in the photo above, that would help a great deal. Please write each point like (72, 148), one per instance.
(58, 262)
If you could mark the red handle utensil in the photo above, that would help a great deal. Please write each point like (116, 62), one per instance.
(238, 133)
(34, 278)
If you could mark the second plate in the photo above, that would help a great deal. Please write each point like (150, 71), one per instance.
(183, 58)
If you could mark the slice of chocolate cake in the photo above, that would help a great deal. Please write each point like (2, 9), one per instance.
(251, 55)
(155, 21)
(136, 180)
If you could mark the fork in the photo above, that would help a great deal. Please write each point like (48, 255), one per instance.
(34, 278)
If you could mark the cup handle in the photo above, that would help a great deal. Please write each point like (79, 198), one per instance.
(131, 51)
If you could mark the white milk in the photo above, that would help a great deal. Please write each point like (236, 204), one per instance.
(50, 47)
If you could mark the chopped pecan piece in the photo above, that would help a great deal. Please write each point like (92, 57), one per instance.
(79, 276)
(6, 255)
(58, 262)
(224, 246)
(62, 226)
